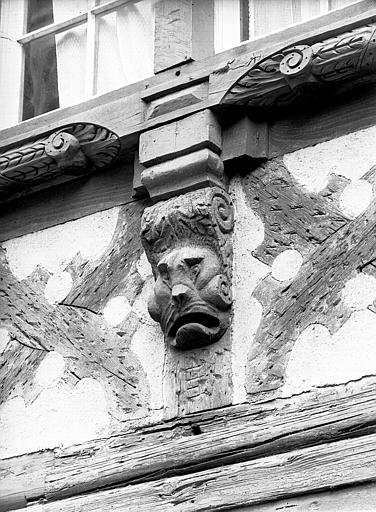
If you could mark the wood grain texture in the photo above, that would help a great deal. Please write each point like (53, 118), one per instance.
(105, 355)
(292, 217)
(197, 380)
(66, 202)
(323, 121)
(198, 442)
(297, 472)
(358, 498)
(201, 130)
(340, 250)
(173, 33)
(115, 273)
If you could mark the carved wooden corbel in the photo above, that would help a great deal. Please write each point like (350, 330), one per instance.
(72, 151)
(302, 72)
(187, 240)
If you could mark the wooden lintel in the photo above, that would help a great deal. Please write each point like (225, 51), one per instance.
(206, 441)
(326, 466)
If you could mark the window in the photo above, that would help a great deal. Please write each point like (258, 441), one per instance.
(241, 20)
(55, 53)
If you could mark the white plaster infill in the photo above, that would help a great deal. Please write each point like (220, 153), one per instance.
(116, 310)
(360, 291)
(50, 370)
(355, 198)
(350, 156)
(4, 339)
(319, 358)
(247, 273)
(286, 265)
(58, 286)
(54, 248)
(57, 417)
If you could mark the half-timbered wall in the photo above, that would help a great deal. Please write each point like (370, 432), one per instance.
(97, 409)
(83, 357)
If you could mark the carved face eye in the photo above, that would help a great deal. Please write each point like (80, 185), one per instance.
(194, 267)
(163, 272)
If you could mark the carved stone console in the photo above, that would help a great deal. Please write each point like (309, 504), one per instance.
(187, 240)
(72, 151)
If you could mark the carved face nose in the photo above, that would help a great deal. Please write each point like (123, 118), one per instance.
(180, 294)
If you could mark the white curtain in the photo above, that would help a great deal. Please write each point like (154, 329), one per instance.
(226, 24)
(70, 52)
(11, 27)
(125, 45)
(265, 17)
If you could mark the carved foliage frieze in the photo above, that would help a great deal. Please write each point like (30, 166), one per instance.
(187, 240)
(73, 150)
(303, 71)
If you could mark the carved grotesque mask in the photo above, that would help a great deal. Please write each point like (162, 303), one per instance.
(192, 298)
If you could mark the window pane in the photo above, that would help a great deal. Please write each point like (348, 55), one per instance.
(71, 65)
(54, 71)
(265, 17)
(40, 86)
(125, 46)
(65, 9)
(39, 14)
(44, 12)
(273, 15)
(11, 26)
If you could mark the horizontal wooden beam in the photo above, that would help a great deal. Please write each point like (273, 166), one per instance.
(124, 111)
(198, 442)
(246, 483)
(75, 150)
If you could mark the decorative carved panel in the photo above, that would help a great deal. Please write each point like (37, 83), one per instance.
(72, 151)
(303, 71)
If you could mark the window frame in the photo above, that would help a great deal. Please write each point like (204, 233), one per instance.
(88, 18)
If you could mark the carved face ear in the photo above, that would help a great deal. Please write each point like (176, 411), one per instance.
(218, 292)
(153, 308)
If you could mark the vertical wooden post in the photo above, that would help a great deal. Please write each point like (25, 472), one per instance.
(184, 31)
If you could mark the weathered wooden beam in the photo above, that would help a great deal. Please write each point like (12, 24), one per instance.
(354, 498)
(69, 201)
(244, 141)
(325, 466)
(123, 111)
(173, 33)
(197, 442)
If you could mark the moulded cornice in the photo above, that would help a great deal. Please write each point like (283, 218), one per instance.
(301, 72)
(74, 150)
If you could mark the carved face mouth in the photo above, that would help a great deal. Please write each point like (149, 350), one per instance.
(194, 329)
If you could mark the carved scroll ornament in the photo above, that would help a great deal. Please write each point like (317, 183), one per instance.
(74, 150)
(305, 70)
(187, 240)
